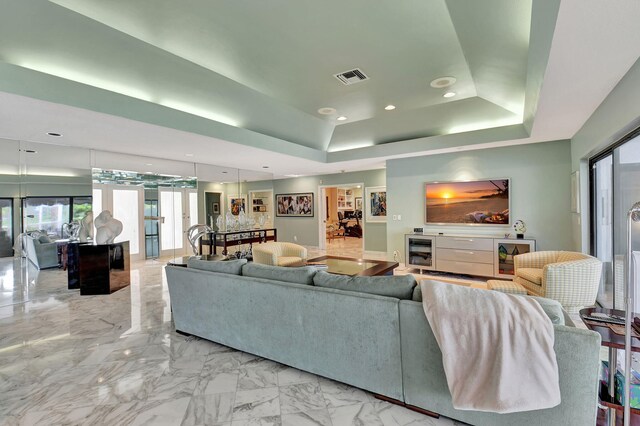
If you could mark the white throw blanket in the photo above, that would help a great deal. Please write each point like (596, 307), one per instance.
(497, 349)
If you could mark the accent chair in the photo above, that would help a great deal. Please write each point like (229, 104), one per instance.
(278, 253)
(571, 278)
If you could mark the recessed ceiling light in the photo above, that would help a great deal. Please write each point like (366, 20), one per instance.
(30, 151)
(341, 118)
(189, 155)
(359, 186)
(441, 82)
(327, 111)
(54, 134)
(148, 164)
(449, 95)
(265, 167)
(224, 173)
(390, 107)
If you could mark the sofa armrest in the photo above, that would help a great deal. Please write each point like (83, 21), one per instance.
(536, 259)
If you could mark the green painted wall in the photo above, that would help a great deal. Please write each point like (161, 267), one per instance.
(540, 190)
(616, 116)
(306, 229)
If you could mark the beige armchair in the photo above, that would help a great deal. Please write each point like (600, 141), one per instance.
(570, 278)
(279, 253)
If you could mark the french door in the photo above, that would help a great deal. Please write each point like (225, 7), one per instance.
(178, 212)
(125, 204)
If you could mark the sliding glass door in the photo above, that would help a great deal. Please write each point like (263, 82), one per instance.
(602, 181)
(615, 180)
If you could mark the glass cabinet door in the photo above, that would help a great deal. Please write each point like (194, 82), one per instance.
(420, 253)
(505, 250)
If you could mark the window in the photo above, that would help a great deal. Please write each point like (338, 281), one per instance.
(50, 213)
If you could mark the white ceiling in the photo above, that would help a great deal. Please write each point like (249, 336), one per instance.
(594, 45)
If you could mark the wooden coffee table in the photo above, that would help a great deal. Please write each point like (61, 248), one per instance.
(353, 267)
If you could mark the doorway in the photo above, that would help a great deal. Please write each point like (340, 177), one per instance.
(179, 211)
(125, 202)
(6, 227)
(213, 208)
(342, 230)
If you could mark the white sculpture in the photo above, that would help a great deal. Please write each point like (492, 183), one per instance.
(86, 227)
(107, 228)
(520, 227)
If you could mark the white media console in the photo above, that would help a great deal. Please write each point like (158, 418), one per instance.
(486, 256)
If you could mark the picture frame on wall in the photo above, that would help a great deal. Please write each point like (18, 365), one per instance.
(359, 203)
(575, 192)
(237, 203)
(295, 205)
(376, 204)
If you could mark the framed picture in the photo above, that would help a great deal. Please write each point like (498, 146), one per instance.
(294, 205)
(237, 203)
(215, 208)
(483, 202)
(359, 203)
(575, 192)
(376, 204)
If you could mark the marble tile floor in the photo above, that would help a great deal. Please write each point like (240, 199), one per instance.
(117, 360)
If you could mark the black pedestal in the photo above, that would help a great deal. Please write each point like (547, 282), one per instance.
(101, 268)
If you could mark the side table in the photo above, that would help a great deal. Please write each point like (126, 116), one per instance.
(614, 342)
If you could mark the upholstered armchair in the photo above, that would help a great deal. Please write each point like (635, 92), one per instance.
(570, 278)
(278, 253)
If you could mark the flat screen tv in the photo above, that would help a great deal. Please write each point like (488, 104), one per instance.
(480, 202)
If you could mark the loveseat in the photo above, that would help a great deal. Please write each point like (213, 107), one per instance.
(380, 343)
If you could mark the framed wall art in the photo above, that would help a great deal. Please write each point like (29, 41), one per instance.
(376, 204)
(294, 205)
(236, 203)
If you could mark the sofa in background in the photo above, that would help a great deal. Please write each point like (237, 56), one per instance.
(278, 253)
(571, 278)
(338, 328)
(40, 250)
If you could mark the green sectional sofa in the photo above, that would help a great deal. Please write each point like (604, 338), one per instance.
(382, 344)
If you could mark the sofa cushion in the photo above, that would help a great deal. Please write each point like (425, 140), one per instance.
(233, 267)
(417, 294)
(531, 274)
(398, 286)
(44, 239)
(552, 308)
(302, 275)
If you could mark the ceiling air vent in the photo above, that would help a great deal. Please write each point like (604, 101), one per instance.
(351, 76)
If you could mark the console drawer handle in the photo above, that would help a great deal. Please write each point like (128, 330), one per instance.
(464, 251)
